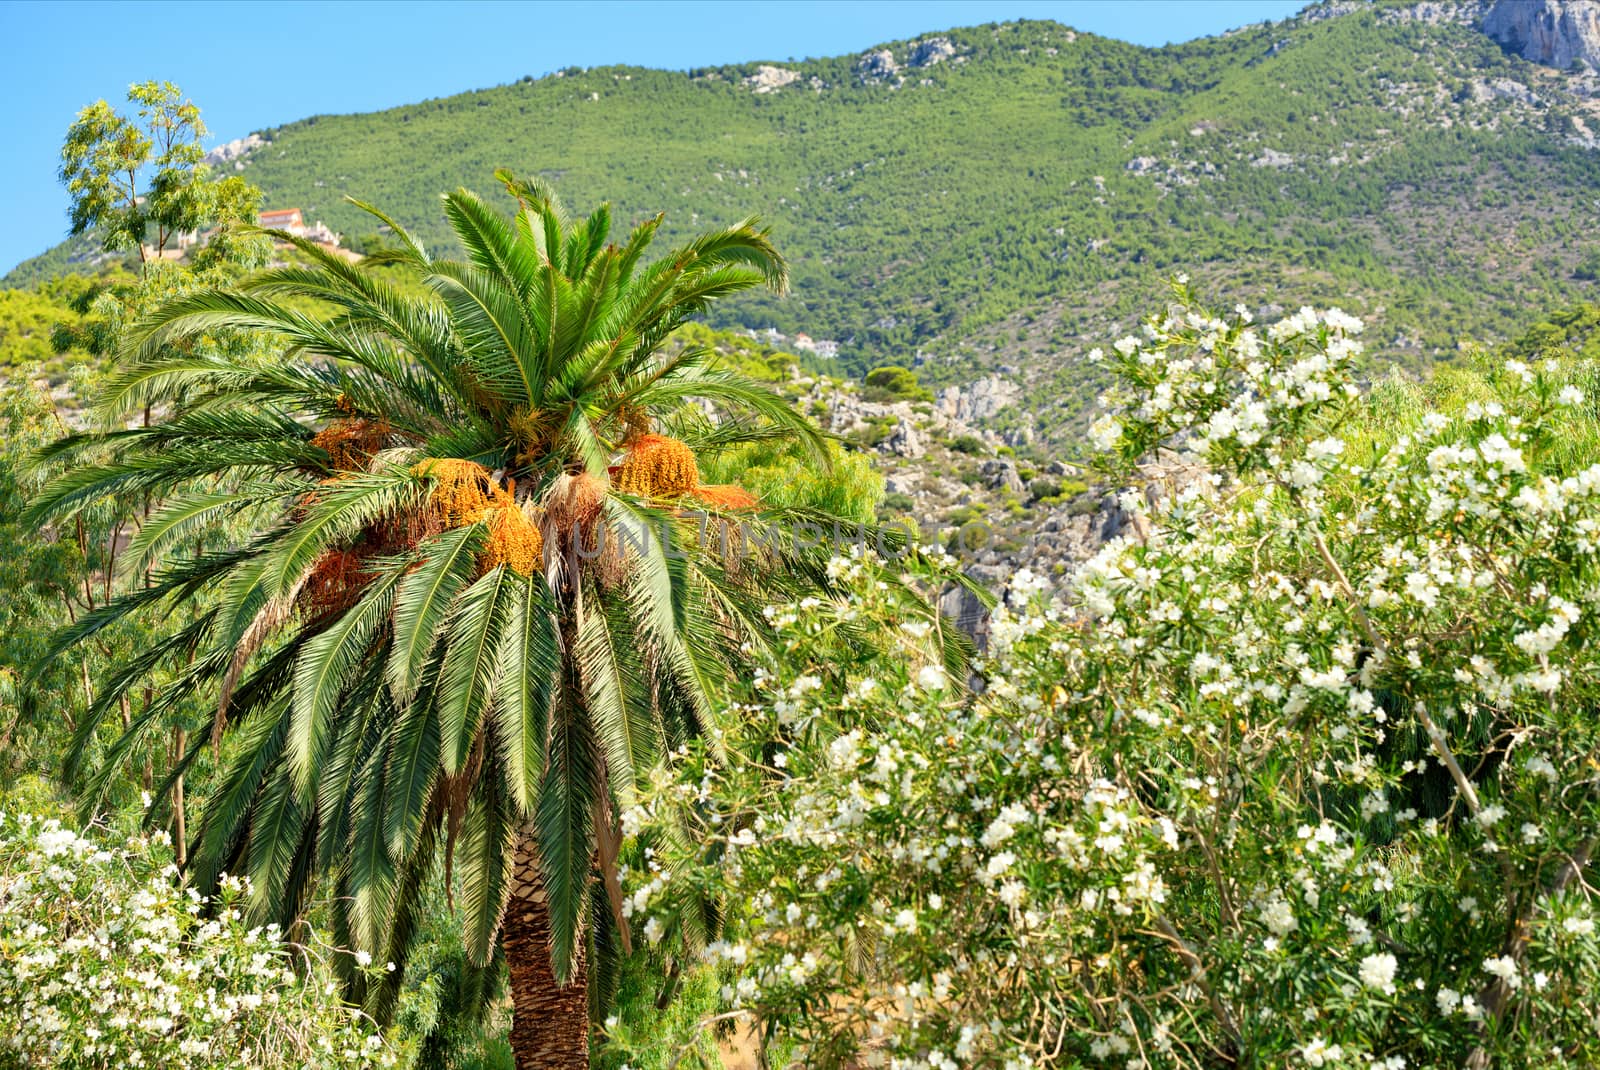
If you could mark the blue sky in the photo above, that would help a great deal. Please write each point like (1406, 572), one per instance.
(251, 65)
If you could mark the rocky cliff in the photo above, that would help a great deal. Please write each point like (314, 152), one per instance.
(1556, 33)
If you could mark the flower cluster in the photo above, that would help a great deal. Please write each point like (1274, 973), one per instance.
(1299, 775)
(107, 960)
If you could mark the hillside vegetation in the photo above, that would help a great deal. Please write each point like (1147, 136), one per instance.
(501, 656)
(1000, 194)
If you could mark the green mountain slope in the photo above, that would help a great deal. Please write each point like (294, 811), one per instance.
(999, 195)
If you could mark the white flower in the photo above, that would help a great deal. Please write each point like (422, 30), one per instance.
(1325, 448)
(1505, 968)
(805, 684)
(1278, 917)
(1539, 765)
(1570, 395)
(1320, 1053)
(1378, 970)
(931, 678)
(1104, 433)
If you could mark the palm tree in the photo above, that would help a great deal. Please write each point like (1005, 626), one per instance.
(472, 605)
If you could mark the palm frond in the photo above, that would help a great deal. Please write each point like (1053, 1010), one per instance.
(322, 673)
(423, 605)
(564, 827)
(483, 859)
(470, 673)
(417, 256)
(530, 658)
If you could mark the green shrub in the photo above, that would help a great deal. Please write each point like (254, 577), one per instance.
(897, 502)
(968, 444)
(894, 383)
(106, 960)
(784, 475)
(1301, 775)
(964, 514)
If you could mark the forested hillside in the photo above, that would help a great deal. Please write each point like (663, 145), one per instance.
(503, 656)
(999, 195)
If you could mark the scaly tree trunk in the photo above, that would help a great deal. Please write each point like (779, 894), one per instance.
(550, 1023)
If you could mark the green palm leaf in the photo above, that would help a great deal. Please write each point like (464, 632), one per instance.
(471, 664)
(564, 827)
(423, 604)
(530, 663)
(322, 673)
(483, 861)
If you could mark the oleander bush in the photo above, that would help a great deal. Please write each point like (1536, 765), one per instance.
(1302, 774)
(108, 960)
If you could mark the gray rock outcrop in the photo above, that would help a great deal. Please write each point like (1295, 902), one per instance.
(877, 66)
(979, 401)
(1001, 474)
(933, 50)
(770, 79)
(1555, 33)
(233, 150)
(904, 441)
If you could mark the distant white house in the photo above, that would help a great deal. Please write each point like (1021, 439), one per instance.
(822, 347)
(291, 220)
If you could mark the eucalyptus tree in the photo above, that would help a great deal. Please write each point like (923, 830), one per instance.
(137, 179)
(483, 591)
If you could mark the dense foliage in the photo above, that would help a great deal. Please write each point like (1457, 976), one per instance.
(1301, 772)
(1302, 777)
(1362, 157)
(106, 959)
(28, 319)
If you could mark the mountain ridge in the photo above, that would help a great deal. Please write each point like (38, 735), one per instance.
(1011, 192)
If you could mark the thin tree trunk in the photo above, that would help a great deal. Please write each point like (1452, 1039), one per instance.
(180, 825)
(550, 1023)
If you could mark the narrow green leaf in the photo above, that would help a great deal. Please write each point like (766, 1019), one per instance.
(422, 606)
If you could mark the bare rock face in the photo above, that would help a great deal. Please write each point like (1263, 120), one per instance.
(1001, 474)
(904, 441)
(769, 79)
(1555, 33)
(933, 50)
(234, 150)
(877, 66)
(979, 401)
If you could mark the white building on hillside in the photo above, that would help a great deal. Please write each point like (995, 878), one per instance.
(290, 219)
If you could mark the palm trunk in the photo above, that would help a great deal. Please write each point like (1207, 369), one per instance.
(550, 1023)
